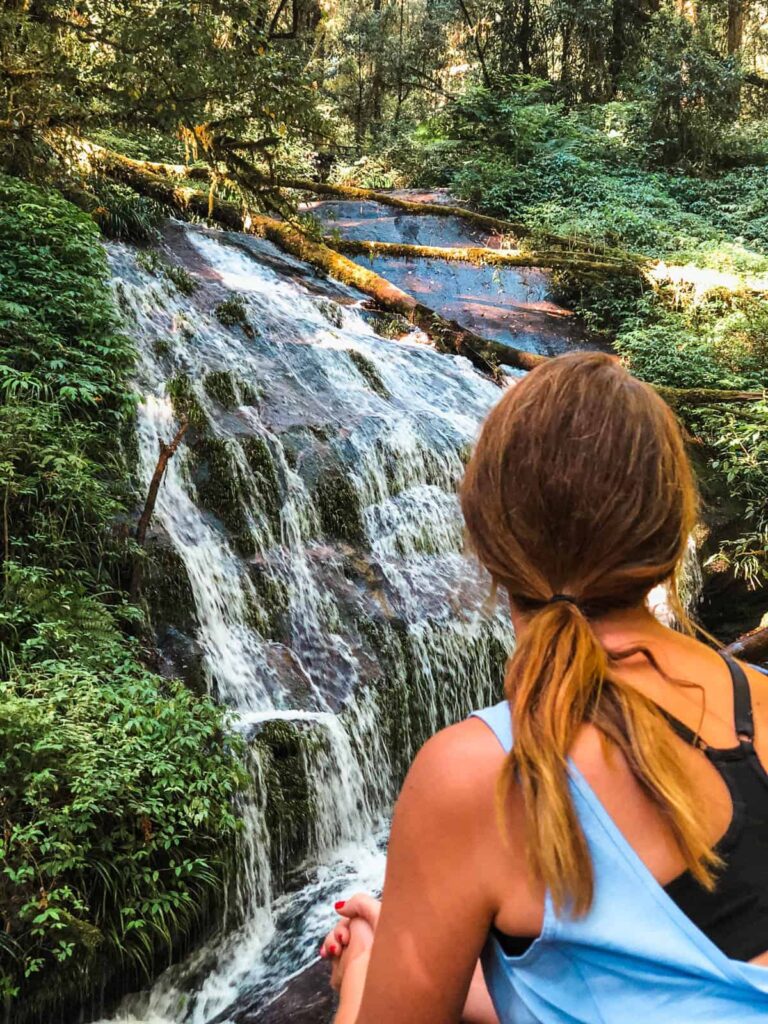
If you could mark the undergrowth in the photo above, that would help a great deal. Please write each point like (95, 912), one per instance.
(590, 176)
(116, 786)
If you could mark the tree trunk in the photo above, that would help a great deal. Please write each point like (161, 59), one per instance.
(751, 647)
(474, 31)
(737, 10)
(482, 255)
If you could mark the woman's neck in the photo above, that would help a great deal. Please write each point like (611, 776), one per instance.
(615, 630)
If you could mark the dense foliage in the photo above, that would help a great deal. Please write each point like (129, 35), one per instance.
(101, 862)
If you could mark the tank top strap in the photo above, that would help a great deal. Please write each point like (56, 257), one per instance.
(499, 721)
(742, 700)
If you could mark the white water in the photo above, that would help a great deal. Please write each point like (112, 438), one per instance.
(319, 672)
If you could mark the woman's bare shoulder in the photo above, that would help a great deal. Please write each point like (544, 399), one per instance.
(458, 767)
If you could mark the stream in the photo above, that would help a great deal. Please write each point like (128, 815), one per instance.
(307, 563)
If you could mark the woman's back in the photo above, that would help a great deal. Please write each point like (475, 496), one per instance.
(637, 951)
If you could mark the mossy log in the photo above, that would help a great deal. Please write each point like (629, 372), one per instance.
(481, 255)
(447, 335)
(705, 396)
(250, 177)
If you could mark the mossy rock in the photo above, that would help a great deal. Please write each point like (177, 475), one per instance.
(339, 505)
(155, 263)
(232, 312)
(290, 806)
(263, 465)
(185, 401)
(332, 312)
(367, 369)
(229, 390)
(388, 325)
(166, 586)
(218, 490)
(271, 616)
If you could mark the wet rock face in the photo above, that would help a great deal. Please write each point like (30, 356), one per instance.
(309, 571)
(307, 999)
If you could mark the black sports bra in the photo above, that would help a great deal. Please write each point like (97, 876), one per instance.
(735, 915)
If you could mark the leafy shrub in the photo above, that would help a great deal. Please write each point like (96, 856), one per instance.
(102, 865)
(124, 214)
(117, 791)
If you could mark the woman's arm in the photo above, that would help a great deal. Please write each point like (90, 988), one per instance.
(438, 905)
(361, 913)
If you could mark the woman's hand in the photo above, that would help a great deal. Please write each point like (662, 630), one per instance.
(353, 955)
(352, 935)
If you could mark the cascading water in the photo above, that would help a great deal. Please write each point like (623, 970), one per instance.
(306, 565)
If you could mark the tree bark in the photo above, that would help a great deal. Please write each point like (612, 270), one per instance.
(706, 396)
(737, 10)
(166, 452)
(750, 647)
(482, 255)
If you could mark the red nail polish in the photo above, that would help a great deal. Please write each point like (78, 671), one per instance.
(332, 950)
(339, 905)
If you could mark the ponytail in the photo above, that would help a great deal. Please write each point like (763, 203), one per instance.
(560, 677)
(580, 482)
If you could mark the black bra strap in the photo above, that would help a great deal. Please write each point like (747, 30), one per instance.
(742, 699)
(683, 731)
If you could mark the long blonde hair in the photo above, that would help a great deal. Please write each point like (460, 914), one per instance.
(580, 485)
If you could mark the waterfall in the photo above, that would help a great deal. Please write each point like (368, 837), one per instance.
(306, 566)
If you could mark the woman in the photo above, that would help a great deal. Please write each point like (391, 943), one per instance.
(610, 865)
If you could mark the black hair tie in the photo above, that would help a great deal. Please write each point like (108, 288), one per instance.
(563, 597)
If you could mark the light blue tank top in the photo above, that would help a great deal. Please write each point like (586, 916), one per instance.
(635, 958)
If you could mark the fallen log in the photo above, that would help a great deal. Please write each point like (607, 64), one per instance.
(752, 646)
(676, 397)
(251, 177)
(484, 256)
(447, 335)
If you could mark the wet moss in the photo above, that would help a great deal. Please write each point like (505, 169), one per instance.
(229, 390)
(332, 311)
(220, 387)
(262, 463)
(182, 279)
(270, 616)
(154, 263)
(161, 348)
(339, 506)
(232, 312)
(388, 325)
(166, 586)
(217, 483)
(185, 401)
(367, 369)
(290, 804)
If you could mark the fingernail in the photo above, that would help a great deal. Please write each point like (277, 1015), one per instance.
(332, 950)
(339, 905)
